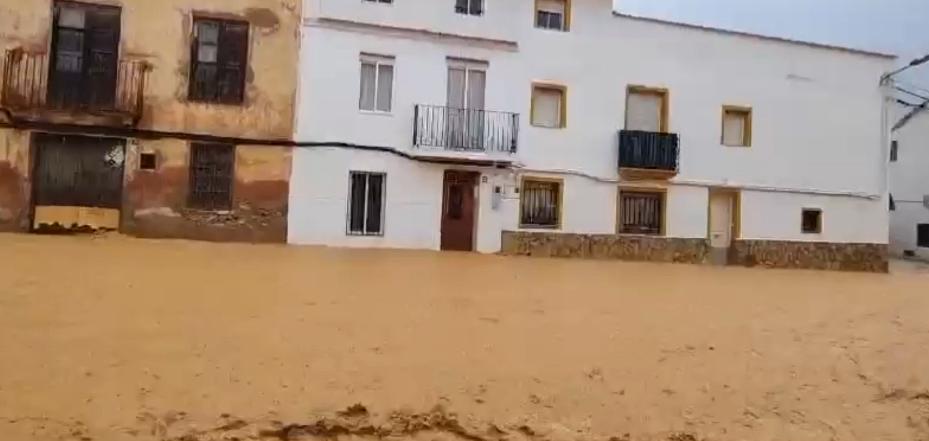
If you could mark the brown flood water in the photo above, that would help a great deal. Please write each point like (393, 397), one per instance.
(110, 338)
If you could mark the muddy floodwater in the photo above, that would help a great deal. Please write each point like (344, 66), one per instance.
(111, 338)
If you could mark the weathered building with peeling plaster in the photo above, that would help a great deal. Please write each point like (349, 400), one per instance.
(166, 118)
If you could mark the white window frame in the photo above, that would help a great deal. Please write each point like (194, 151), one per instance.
(377, 61)
(470, 13)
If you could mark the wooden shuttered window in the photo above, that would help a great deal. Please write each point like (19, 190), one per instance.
(219, 57)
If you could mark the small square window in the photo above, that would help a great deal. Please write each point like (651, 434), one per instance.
(469, 7)
(147, 161)
(552, 14)
(548, 106)
(812, 221)
(540, 204)
(922, 235)
(737, 126)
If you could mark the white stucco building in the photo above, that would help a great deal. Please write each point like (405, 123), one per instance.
(909, 173)
(494, 125)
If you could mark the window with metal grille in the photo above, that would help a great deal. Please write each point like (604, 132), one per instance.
(212, 170)
(922, 235)
(812, 221)
(366, 203)
(552, 14)
(470, 7)
(218, 60)
(540, 204)
(641, 212)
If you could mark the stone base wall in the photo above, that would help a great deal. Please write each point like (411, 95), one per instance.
(811, 255)
(605, 246)
(764, 253)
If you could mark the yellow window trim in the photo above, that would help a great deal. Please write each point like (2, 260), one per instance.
(522, 185)
(662, 191)
(747, 133)
(563, 118)
(664, 126)
(567, 15)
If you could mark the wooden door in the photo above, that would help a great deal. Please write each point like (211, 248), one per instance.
(722, 225)
(458, 210)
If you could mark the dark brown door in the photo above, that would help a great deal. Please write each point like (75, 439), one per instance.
(458, 203)
(78, 171)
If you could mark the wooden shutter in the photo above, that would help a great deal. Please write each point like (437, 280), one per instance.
(232, 59)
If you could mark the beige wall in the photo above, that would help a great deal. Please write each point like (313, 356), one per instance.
(155, 201)
(14, 180)
(160, 33)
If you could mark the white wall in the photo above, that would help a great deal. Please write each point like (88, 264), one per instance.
(413, 196)
(909, 177)
(777, 216)
(817, 112)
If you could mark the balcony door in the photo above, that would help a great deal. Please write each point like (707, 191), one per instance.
(465, 120)
(646, 110)
(83, 64)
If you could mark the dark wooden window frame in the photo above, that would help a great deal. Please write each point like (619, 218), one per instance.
(97, 77)
(211, 183)
(230, 66)
(922, 235)
(806, 224)
(655, 227)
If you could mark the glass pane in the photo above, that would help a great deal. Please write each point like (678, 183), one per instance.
(455, 201)
(734, 128)
(375, 201)
(206, 53)
(461, 6)
(477, 7)
(385, 81)
(643, 112)
(71, 18)
(70, 41)
(456, 88)
(356, 203)
(476, 80)
(368, 75)
(546, 108)
(208, 32)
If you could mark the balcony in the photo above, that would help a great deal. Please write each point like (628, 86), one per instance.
(465, 133)
(648, 155)
(94, 93)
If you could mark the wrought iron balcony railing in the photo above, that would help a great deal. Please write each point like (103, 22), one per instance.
(648, 151)
(465, 130)
(32, 83)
